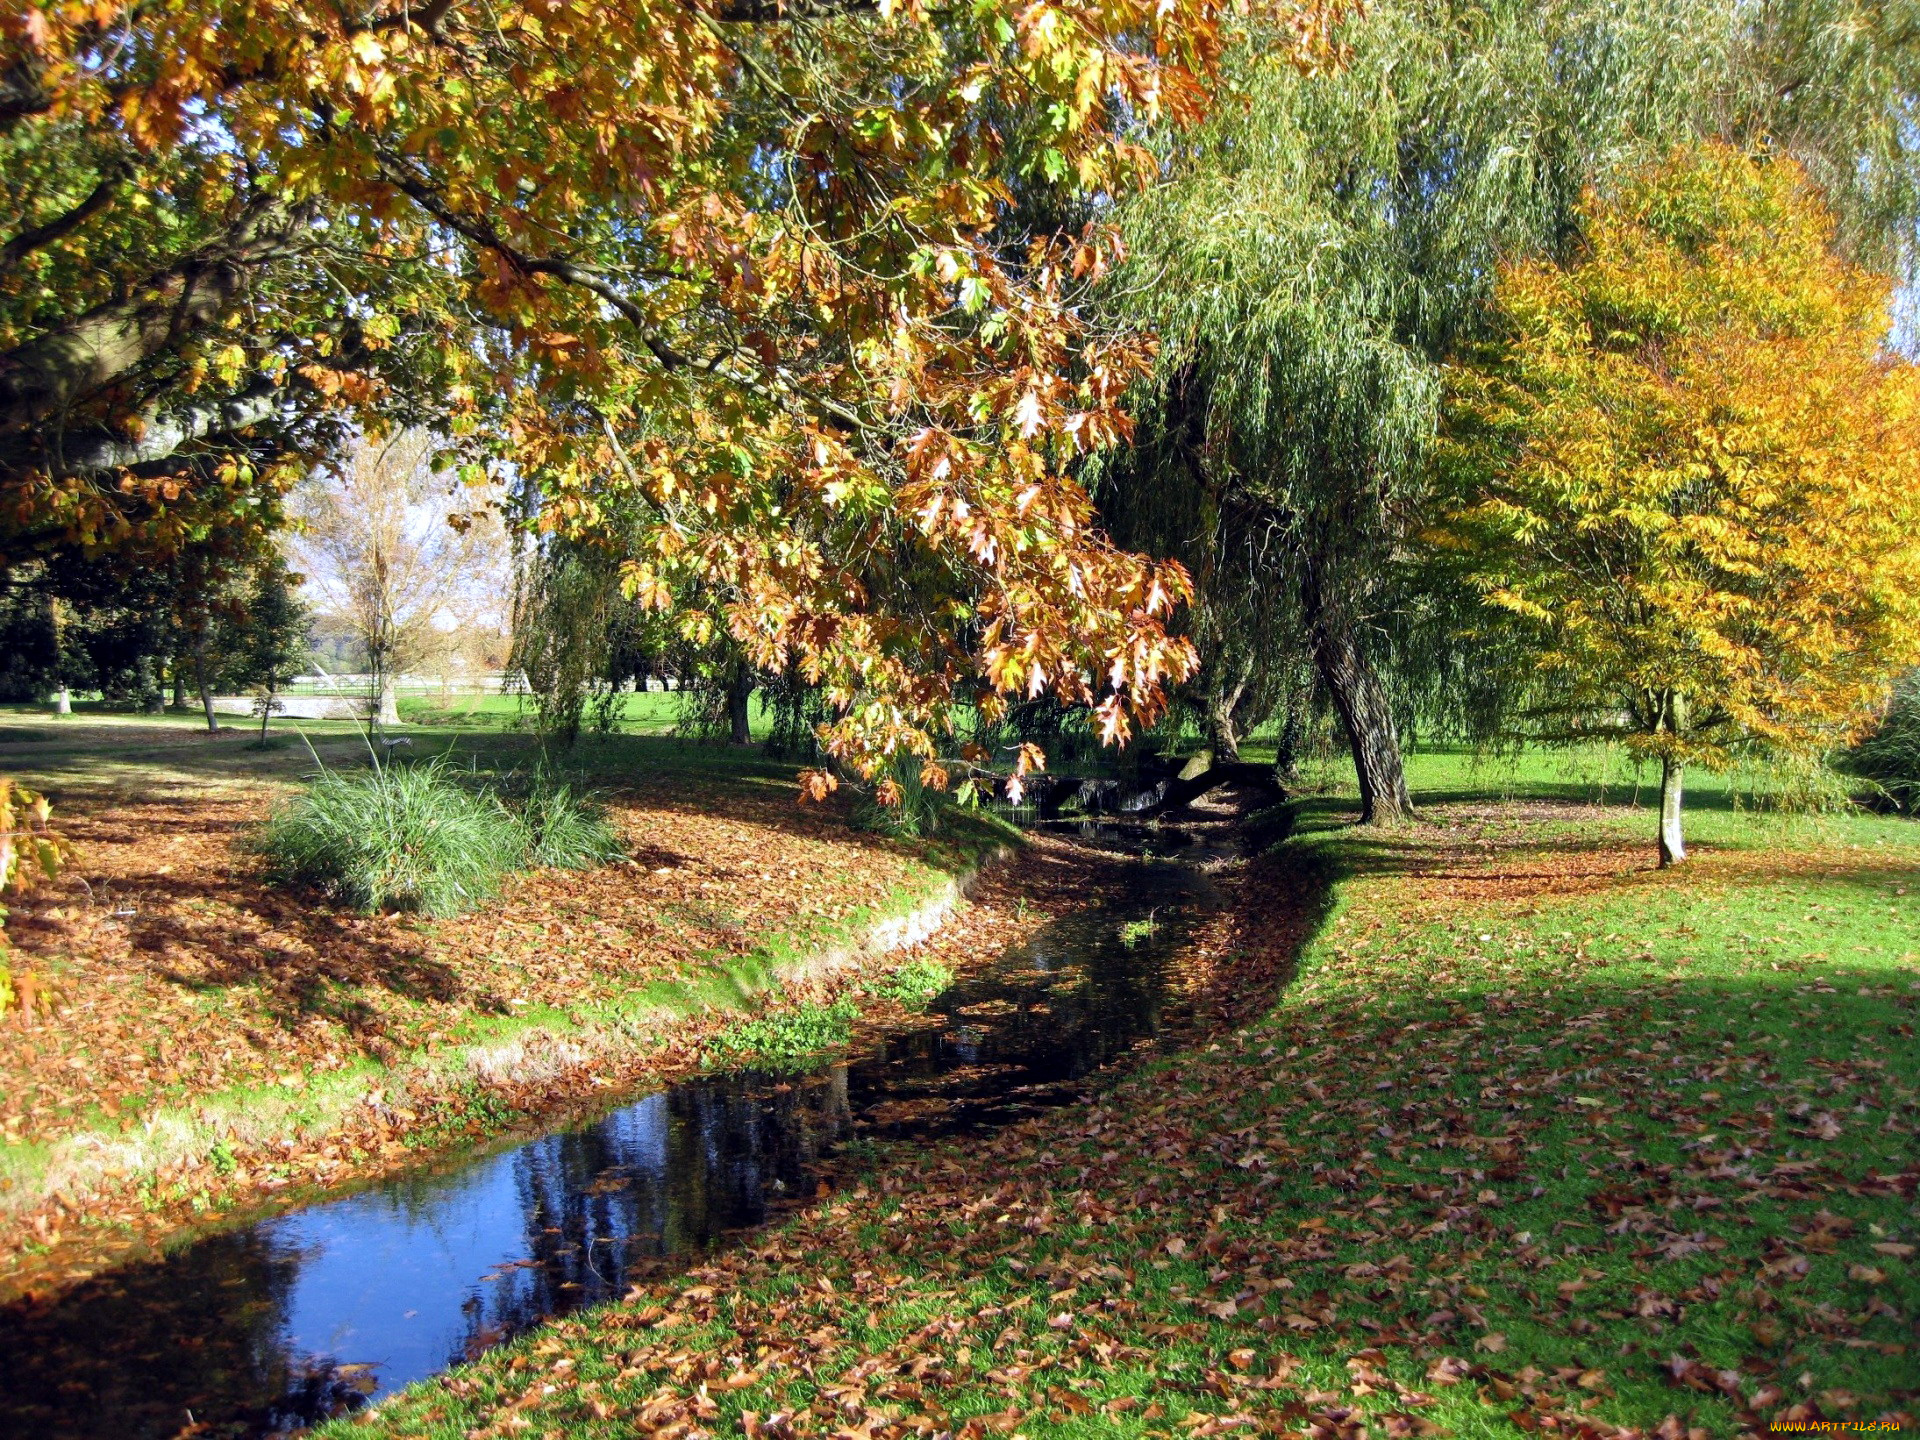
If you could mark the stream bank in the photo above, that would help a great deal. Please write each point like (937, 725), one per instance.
(256, 1329)
(120, 1189)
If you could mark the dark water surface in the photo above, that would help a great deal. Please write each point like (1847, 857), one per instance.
(266, 1328)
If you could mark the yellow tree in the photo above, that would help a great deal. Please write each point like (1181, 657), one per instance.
(1690, 471)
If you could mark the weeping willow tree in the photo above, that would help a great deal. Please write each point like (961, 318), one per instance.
(1329, 240)
(567, 616)
(579, 639)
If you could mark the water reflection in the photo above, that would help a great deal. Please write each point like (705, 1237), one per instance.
(276, 1325)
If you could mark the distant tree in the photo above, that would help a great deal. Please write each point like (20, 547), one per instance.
(272, 637)
(69, 623)
(1689, 472)
(578, 639)
(208, 596)
(396, 558)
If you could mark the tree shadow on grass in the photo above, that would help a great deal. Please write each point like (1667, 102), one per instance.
(128, 762)
(1639, 1169)
(296, 949)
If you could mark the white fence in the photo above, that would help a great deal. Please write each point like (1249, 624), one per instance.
(298, 707)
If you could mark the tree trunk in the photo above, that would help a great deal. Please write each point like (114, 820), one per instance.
(1673, 845)
(179, 683)
(1286, 759)
(386, 710)
(200, 678)
(62, 699)
(739, 703)
(1223, 728)
(1364, 709)
(266, 713)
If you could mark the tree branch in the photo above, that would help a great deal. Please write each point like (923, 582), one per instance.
(398, 174)
(163, 436)
(46, 376)
(23, 93)
(480, 232)
(28, 241)
(763, 12)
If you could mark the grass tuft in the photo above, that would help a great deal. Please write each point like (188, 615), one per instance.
(563, 828)
(399, 837)
(422, 838)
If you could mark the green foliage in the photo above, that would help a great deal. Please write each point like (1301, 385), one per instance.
(1890, 756)
(1321, 249)
(796, 710)
(270, 639)
(421, 837)
(914, 983)
(114, 627)
(788, 1041)
(565, 617)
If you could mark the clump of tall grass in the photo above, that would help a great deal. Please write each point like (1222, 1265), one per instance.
(563, 828)
(919, 809)
(425, 838)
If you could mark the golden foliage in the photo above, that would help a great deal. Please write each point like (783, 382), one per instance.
(29, 851)
(1691, 467)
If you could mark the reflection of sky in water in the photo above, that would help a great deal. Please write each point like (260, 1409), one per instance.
(395, 1278)
(430, 1269)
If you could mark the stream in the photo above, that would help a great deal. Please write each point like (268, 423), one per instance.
(272, 1326)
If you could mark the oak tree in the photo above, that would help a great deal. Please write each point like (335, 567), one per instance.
(754, 262)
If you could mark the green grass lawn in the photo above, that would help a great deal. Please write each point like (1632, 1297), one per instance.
(99, 745)
(1536, 1138)
(642, 713)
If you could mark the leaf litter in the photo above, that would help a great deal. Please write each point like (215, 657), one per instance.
(1498, 1162)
